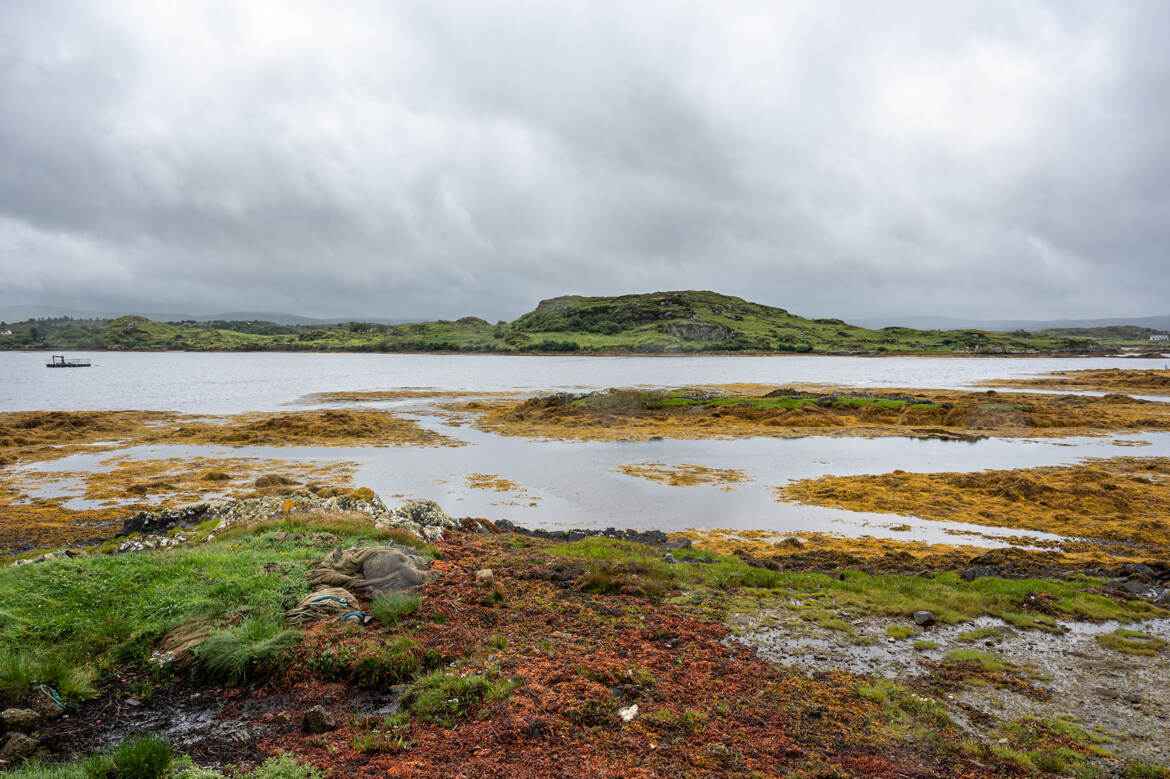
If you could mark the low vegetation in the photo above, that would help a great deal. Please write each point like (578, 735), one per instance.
(69, 622)
(736, 411)
(622, 567)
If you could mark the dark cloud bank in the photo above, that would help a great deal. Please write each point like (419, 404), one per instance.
(990, 159)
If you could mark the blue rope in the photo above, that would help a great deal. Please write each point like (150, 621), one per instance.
(52, 694)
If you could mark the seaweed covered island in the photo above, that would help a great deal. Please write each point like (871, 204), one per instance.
(659, 322)
(254, 616)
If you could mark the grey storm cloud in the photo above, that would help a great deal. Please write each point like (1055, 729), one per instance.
(411, 160)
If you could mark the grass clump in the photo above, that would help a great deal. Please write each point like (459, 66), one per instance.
(975, 634)
(1132, 642)
(442, 697)
(923, 645)
(1058, 745)
(393, 607)
(683, 723)
(404, 537)
(902, 707)
(389, 735)
(900, 631)
(148, 757)
(372, 663)
(144, 756)
(244, 650)
(20, 671)
(987, 663)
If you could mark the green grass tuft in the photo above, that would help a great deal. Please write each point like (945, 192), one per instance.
(393, 607)
(142, 757)
(986, 662)
(1132, 642)
(974, 634)
(442, 697)
(240, 652)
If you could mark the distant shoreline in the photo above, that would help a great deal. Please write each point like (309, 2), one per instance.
(472, 353)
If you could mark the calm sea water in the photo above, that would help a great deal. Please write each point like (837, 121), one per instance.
(232, 382)
(566, 484)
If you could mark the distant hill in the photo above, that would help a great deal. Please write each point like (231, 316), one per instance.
(21, 313)
(656, 322)
(950, 323)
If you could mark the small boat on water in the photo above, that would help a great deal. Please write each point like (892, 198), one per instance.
(59, 361)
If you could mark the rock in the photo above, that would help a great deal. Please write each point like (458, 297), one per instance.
(923, 618)
(161, 521)
(673, 544)
(979, 572)
(717, 752)
(23, 720)
(17, 747)
(484, 577)
(1140, 571)
(628, 713)
(318, 720)
(1163, 599)
(425, 513)
(1132, 587)
(45, 705)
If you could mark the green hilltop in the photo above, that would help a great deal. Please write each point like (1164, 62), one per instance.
(657, 322)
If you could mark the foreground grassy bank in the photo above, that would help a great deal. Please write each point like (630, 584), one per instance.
(598, 657)
(683, 321)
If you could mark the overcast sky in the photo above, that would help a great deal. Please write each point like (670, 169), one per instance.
(436, 159)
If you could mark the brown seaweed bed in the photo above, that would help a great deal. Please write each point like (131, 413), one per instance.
(1151, 382)
(686, 475)
(740, 412)
(1121, 502)
(47, 435)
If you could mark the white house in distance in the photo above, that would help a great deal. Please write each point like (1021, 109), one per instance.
(1160, 337)
(9, 332)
